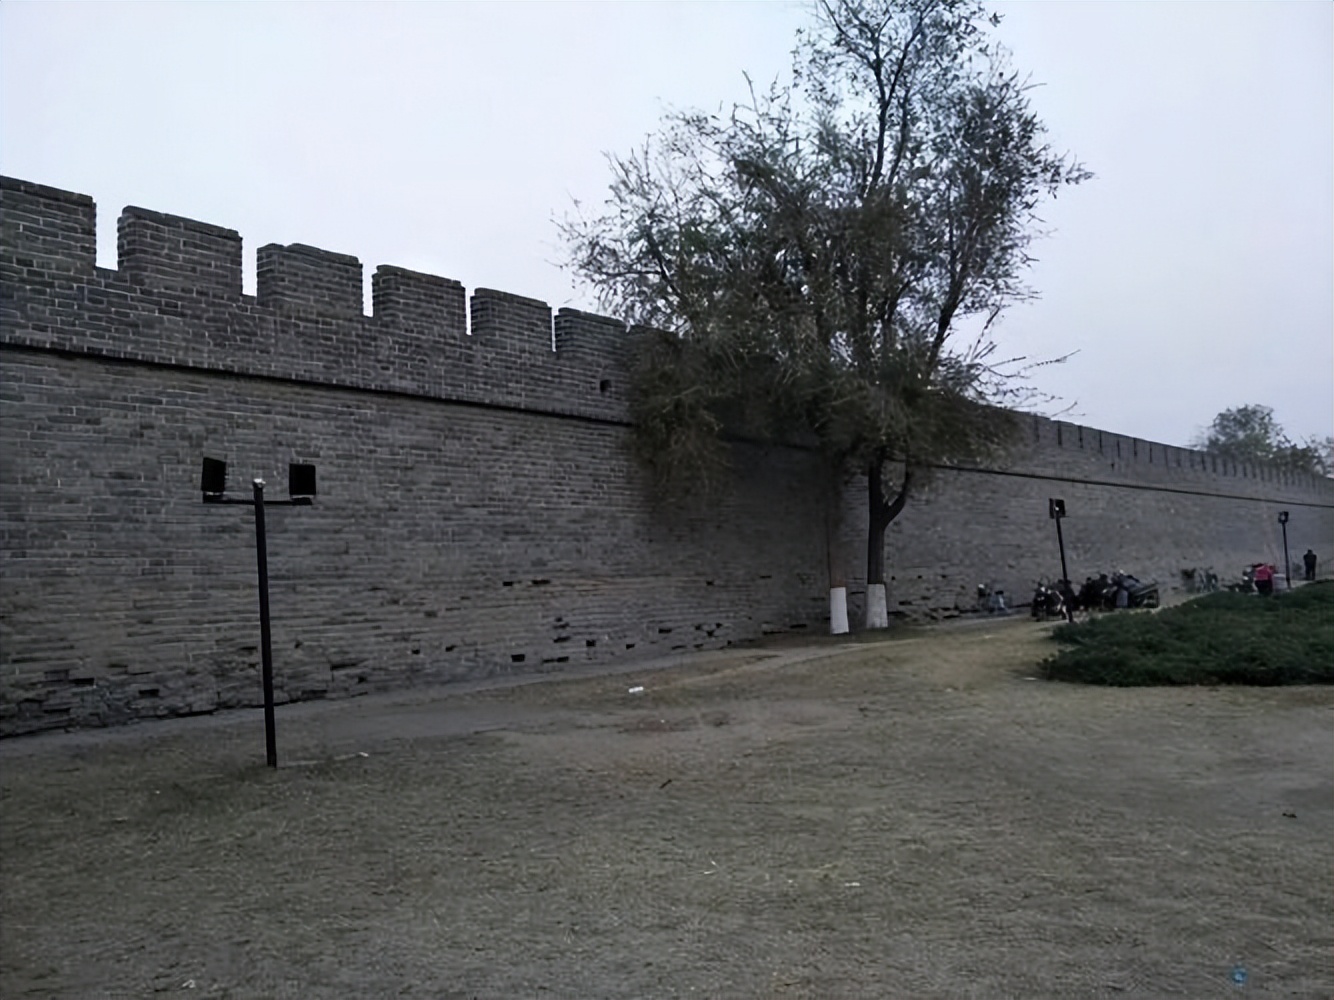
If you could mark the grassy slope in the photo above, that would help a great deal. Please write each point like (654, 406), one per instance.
(1217, 639)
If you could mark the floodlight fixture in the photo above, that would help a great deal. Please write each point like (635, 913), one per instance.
(213, 480)
(300, 480)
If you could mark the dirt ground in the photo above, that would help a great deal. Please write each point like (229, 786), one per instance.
(916, 816)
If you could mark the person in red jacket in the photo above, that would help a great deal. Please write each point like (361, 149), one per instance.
(1264, 578)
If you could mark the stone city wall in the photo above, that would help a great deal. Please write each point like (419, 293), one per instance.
(478, 512)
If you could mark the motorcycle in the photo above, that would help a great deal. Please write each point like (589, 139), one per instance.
(1048, 602)
(1131, 593)
(1247, 584)
(1120, 590)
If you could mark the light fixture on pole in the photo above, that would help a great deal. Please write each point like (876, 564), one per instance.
(301, 493)
(1287, 564)
(1056, 511)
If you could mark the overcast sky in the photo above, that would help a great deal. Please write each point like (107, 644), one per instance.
(1195, 273)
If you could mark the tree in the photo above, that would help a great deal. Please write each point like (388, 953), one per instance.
(806, 260)
(1251, 434)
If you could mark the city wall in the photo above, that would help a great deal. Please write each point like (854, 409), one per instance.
(478, 514)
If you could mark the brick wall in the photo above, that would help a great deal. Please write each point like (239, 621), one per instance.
(478, 511)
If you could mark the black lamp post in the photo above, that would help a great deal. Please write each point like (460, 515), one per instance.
(301, 493)
(1287, 565)
(1056, 511)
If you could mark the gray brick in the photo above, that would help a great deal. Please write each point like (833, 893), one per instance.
(479, 513)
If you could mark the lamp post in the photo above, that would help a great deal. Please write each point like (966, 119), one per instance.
(1287, 565)
(301, 493)
(1056, 511)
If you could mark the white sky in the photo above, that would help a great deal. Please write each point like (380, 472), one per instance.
(1195, 273)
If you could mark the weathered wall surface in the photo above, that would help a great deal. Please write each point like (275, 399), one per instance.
(478, 511)
(1135, 506)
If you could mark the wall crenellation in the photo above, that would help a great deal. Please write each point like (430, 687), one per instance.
(425, 335)
(307, 279)
(176, 298)
(51, 231)
(155, 250)
(420, 305)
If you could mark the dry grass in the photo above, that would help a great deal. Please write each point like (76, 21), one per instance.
(917, 817)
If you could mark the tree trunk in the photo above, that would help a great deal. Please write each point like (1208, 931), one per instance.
(879, 516)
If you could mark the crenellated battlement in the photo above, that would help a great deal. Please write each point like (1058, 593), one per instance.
(176, 297)
(307, 279)
(422, 304)
(159, 251)
(47, 230)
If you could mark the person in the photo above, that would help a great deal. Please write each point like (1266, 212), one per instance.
(1308, 561)
(1264, 578)
(1090, 596)
(1069, 596)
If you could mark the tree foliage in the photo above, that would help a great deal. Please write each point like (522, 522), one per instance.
(805, 261)
(1251, 434)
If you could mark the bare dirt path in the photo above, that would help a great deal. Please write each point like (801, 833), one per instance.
(911, 817)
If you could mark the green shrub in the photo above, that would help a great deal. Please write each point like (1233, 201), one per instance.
(1224, 638)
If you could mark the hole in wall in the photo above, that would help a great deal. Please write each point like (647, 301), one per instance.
(604, 386)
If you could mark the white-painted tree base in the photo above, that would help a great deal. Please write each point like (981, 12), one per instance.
(838, 610)
(877, 611)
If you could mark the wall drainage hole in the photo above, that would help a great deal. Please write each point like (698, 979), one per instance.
(590, 643)
(517, 658)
